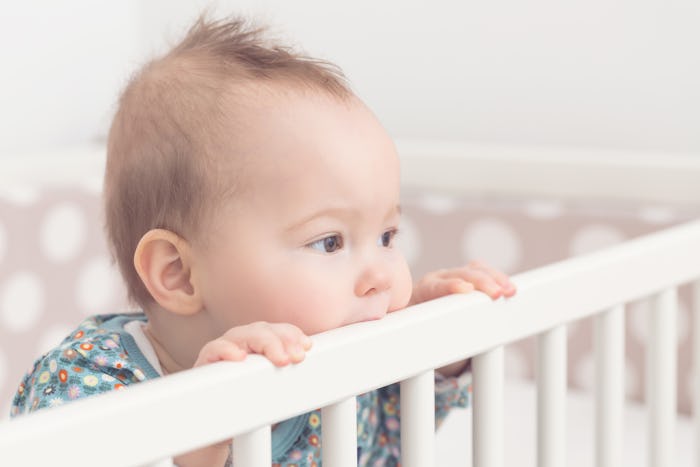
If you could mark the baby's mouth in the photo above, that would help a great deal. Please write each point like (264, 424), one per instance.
(373, 307)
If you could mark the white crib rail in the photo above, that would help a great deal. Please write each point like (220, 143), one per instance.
(159, 418)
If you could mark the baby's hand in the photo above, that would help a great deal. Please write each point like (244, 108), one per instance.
(281, 343)
(473, 276)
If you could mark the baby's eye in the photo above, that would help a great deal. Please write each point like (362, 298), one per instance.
(328, 244)
(387, 238)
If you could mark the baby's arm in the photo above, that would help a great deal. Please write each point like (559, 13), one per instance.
(474, 276)
(280, 343)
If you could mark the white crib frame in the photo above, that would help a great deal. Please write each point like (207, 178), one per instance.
(164, 417)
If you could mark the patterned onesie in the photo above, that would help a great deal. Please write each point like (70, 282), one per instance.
(102, 356)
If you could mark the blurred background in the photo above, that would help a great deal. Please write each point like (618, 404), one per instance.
(620, 73)
(611, 74)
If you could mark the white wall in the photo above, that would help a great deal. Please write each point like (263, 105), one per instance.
(612, 73)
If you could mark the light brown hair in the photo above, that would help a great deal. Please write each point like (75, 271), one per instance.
(162, 149)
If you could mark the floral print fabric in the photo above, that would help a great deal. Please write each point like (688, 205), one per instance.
(100, 356)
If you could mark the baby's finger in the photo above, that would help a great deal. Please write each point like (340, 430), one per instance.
(501, 278)
(291, 335)
(295, 342)
(271, 346)
(295, 351)
(482, 281)
(433, 286)
(452, 286)
(218, 350)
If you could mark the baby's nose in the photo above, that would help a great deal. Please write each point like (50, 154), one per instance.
(374, 278)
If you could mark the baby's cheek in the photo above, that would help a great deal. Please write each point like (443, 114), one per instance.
(402, 288)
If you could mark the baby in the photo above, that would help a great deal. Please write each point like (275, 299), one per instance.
(251, 200)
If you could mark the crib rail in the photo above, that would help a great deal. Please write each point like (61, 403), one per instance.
(558, 172)
(184, 411)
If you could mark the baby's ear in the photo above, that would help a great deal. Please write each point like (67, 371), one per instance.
(163, 262)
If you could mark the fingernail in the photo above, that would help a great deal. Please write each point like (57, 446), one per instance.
(296, 352)
(282, 361)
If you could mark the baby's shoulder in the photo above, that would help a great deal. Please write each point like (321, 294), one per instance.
(90, 360)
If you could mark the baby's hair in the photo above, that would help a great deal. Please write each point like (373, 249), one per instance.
(167, 135)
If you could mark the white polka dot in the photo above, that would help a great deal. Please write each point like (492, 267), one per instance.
(493, 242)
(63, 232)
(408, 240)
(3, 242)
(584, 375)
(594, 237)
(544, 209)
(639, 320)
(515, 363)
(438, 203)
(97, 285)
(52, 337)
(657, 214)
(22, 301)
(21, 195)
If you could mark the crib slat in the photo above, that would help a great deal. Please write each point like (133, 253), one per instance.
(696, 366)
(253, 448)
(661, 381)
(418, 420)
(339, 433)
(551, 397)
(609, 343)
(487, 430)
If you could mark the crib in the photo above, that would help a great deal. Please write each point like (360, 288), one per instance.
(595, 286)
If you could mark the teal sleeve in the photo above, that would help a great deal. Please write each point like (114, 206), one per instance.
(74, 370)
(451, 392)
(379, 415)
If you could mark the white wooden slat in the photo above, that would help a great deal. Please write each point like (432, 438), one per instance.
(609, 344)
(339, 433)
(661, 380)
(695, 287)
(418, 420)
(551, 397)
(254, 448)
(488, 417)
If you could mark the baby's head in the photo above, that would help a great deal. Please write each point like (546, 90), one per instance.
(246, 183)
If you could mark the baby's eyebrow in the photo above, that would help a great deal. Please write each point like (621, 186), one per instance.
(340, 212)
